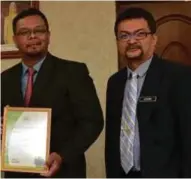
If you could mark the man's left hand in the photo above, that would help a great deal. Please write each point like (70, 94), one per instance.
(54, 162)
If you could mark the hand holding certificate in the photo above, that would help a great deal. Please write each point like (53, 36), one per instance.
(53, 164)
(26, 139)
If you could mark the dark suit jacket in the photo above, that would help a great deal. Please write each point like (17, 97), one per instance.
(164, 125)
(77, 119)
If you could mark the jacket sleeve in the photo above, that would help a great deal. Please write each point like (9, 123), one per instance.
(111, 158)
(182, 108)
(86, 110)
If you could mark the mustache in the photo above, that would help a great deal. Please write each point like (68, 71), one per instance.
(33, 43)
(133, 46)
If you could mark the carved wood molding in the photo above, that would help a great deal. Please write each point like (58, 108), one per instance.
(177, 44)
(173, 17)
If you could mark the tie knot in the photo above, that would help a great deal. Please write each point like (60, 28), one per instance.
(31, 71)
(133, 75)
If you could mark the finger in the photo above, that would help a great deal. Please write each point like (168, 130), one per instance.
(53, 164)
(51, 159)
(52, 170)
(44, 174)
(46, 167)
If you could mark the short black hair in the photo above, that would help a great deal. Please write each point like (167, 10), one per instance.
(136, 13)
(26, 13)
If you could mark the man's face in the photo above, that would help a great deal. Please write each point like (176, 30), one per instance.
(134, 39)
(32, 36)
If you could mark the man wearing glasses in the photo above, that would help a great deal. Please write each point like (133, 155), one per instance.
(148, 109)
(43, 80)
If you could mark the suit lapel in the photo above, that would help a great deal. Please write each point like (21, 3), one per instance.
(120, 87)
(150, 88)
(42, 81)
(17, 97)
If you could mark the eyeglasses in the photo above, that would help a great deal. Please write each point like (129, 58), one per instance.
(135, 35)
(29, 32)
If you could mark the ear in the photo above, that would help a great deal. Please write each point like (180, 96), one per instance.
(155, 39)
(15, 40)
(48, 36)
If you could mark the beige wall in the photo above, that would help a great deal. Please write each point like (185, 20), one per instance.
(83, 31)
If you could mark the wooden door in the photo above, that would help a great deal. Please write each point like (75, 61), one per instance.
(173, 28)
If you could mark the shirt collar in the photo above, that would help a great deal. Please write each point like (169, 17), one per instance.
(141, 70)
(36, 67)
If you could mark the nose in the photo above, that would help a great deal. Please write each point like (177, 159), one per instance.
(32, 35)
(132, 39)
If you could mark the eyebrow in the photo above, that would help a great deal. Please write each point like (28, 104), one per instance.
(138, 30)
(39, 26)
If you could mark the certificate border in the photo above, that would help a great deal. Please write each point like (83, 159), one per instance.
(22, 168)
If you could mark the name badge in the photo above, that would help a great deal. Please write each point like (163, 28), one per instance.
(147, 99)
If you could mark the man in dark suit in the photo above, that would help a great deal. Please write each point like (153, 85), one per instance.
(62, 85)
(148, 110)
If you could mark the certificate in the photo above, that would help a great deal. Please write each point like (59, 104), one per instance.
(26, 139)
